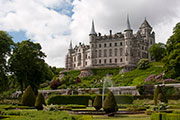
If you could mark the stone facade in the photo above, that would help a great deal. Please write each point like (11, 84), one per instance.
(113, 50)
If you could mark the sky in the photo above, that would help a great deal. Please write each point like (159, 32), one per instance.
(54, 23)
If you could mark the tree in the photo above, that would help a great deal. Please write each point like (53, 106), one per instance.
(172, 58)
(6, 44)
(157, 51)
(143, 64)
(110, 105)
(40, 101)
(28, 98)
(27, 63)
(98, 102)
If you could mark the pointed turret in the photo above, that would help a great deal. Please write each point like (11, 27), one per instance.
(145, 24)
(93, 32)
(128, 24)
(70, 45)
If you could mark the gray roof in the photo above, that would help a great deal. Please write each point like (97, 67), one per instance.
(128, 23)
(93, 32)
(145, 24)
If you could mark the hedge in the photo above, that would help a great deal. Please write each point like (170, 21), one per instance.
(120, 99)
(124, 99)
(165, 116)
(69, 99)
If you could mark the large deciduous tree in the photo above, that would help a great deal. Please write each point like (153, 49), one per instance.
(157, 51)
(27, 63)
(6, 44)
(172, 58)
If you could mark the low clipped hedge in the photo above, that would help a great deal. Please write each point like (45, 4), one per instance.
(165, 116)
(124, 99)
(69, 99)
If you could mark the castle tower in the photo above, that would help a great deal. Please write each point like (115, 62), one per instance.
(149, 36)
(92, 39)
(128, 33)
(69, 59)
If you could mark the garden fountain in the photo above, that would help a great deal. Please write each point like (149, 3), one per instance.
(106, 83)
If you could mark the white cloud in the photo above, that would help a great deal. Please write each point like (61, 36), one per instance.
(42, 23)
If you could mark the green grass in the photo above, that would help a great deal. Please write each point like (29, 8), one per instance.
(40, 115)
(137, 76)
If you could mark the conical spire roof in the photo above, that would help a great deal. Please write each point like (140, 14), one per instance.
(70, 45)
(93, 32)
(145, 24)
(128, 24)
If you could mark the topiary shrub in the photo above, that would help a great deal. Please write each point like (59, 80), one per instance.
(110, 105)
(159, 95)
(97, 102)
(40, 101)
(143, 64)
(28, 98)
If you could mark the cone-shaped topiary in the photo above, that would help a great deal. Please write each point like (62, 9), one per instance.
(98, 102)
(159, 95)
(110, 105)
(28, 98)
(40, 101)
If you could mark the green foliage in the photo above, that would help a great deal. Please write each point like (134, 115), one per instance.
(28, 98)
(124, 99)
(98, 102)
(165, 116)
(157, 51)
(137, 76)
(143, 64)
(110, 104)
(40, 101)
(38, 115)
(159, 95)
(69, 99)
(172, 58)
(27, 63)
(6, 45)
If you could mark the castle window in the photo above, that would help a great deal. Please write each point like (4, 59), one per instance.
(115, 44)
(110, 44)
(99, 45)
(115, 60)
(105, 53)
(99, 53)
(120, 43)
(121, 51)
(121, 59)
(92, 45)
(96, 53)
(86, 63)
(105, 45)
(74, 65)
(115, 52)
(104, 61)
(74, 58)
(110, 60)
(110, 52)
(99, 61)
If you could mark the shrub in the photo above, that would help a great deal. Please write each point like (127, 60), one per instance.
(40, 101)
(55, 83)
(124, 99)
(110, 105)
(69, 99)
(28, 98)
(165, 116)
(98, 102)
(143, 64)
(159, 95)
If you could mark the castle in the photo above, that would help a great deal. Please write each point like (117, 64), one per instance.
(113, 50)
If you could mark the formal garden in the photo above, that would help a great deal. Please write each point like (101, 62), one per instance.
(24, 70)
